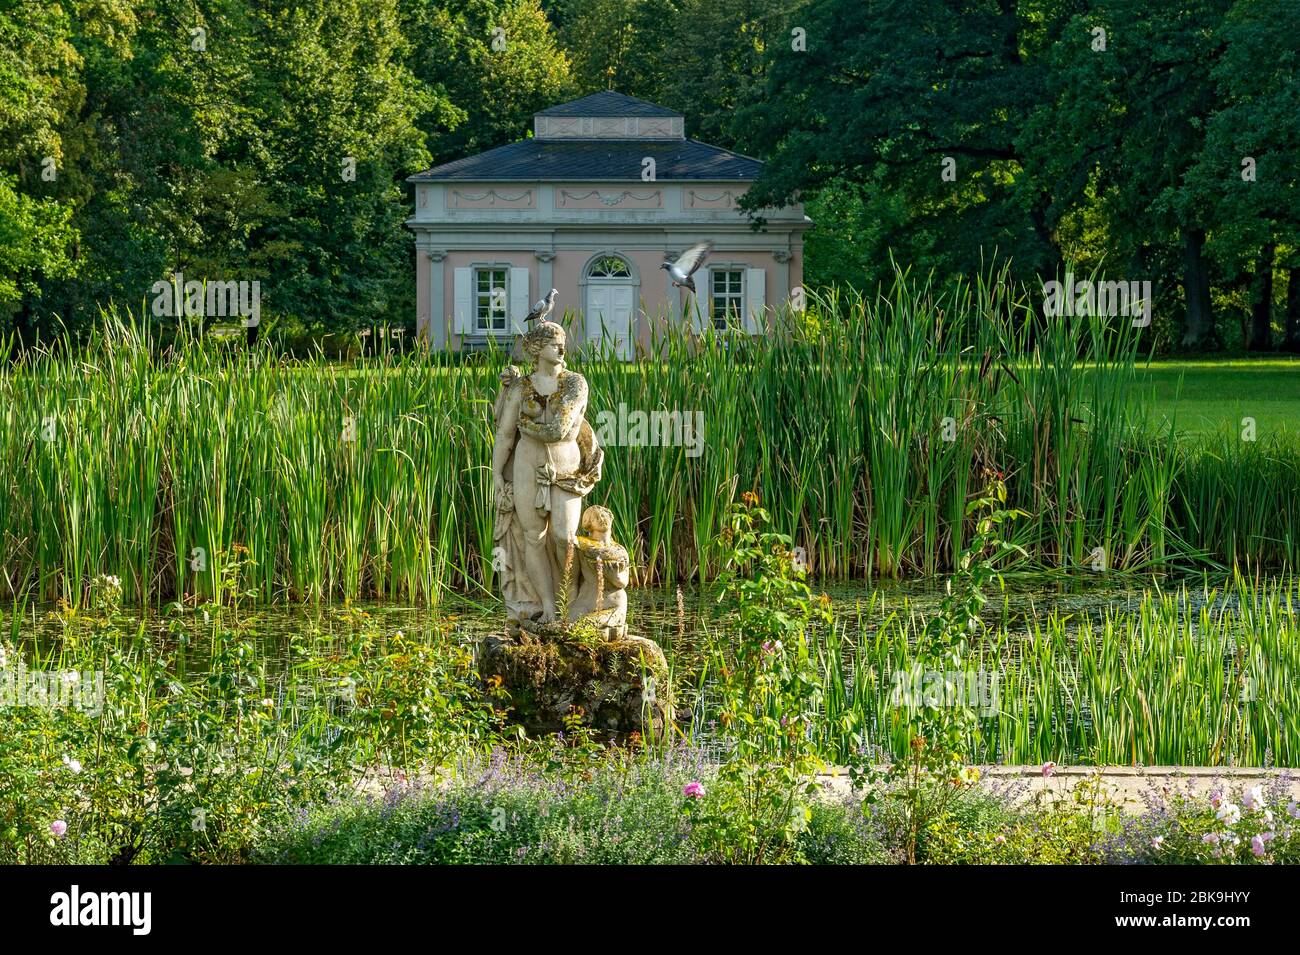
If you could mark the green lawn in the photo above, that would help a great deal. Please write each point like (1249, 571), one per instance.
(1209, 396)
(1201, 397)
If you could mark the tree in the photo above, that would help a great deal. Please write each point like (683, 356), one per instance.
(927, 100)
(600, 36)
(40, 82)
(334, 135)
(488, 66)
(1247, 176)
(1136, 113)
(134, 163)
(704, 59)
(716, 60)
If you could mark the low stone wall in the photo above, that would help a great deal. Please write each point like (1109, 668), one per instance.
(1131, 787)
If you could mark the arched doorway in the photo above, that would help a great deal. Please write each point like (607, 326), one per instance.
(610, 304)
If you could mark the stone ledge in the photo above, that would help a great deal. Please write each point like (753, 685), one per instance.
(1128, 786)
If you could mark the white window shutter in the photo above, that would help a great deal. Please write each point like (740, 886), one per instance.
(463, 316)
(519, 302)
(755, 301)
(703, 294)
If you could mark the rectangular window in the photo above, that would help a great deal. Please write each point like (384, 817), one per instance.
(491, 300)
(727, 297)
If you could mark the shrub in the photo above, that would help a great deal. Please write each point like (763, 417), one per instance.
(770, 695)
(164, 769)
(1233, 826)
(508, 811)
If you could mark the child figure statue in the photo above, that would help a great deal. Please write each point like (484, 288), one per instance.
(603, 575)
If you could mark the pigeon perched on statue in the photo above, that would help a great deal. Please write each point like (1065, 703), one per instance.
(542, 308)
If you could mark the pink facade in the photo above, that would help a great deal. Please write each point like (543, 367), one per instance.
(487, 248)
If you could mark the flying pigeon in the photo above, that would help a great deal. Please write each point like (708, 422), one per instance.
(542, 308)
(682, 270)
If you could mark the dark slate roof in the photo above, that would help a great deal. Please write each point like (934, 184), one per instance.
(601, 159)
(608, 103)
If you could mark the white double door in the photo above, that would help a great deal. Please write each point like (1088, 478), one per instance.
(611, 305)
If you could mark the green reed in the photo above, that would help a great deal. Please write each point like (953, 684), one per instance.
(862, 423)
(1202, 677)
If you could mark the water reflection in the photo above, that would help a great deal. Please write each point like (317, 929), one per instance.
(673, 617)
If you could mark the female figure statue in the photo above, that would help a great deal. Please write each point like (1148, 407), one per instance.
(545, 461)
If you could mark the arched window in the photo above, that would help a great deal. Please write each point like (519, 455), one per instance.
(609, 267)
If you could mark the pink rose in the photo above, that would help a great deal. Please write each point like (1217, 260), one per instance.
(59, 827)
(693, 790)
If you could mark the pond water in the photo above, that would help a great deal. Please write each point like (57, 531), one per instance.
(1054, 690)
(673, 617)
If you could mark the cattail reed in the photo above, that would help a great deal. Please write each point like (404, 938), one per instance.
(868, 437)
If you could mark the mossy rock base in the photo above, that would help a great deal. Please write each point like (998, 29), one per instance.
(606, 681)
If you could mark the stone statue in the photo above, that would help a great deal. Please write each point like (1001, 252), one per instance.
(604, 572)
(549, 554)
(546, 459)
